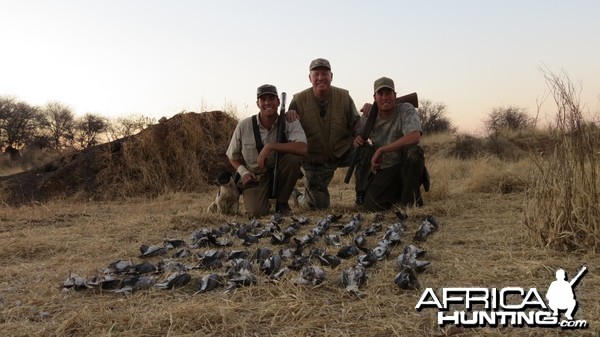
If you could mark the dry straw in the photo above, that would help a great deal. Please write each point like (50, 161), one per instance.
(563, 208)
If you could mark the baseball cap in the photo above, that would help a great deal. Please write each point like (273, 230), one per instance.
(266, 89)
(384, 82)
(316, 63)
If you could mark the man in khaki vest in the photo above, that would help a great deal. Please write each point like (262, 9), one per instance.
(328, 116)
(254, 162)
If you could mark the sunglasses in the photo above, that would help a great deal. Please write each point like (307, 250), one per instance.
(322, 108)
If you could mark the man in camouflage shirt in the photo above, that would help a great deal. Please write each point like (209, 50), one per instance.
(396, 156)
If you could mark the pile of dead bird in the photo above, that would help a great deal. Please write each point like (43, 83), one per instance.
(298, 254)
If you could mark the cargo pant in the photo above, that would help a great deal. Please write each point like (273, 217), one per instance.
(400, 183)
(319, 176)
(256, 196)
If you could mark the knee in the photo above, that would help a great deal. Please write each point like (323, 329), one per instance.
(292, 160)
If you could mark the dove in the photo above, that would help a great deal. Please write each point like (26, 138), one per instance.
(174, 243)
(242, 278)
(135, 284)
(209, 282)
(347, 252)
(407, 279)
(149, 251)
(75, 282)
(117, 267)
(332, 239)
(301, 220)
(353, 278)
(174, 280)
(142, 268)
(428, 226)
(304, 240)
(310, 275)
(271, 265)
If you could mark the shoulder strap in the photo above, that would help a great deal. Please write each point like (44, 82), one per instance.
(257, 140)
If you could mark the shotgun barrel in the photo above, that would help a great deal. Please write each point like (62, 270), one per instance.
(280, 139)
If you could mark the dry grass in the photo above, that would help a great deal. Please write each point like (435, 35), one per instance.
(481, 243)
(563, 201)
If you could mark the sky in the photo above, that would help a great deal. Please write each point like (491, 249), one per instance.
(118, 58)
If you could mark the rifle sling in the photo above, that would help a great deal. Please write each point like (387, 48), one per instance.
(257, 139)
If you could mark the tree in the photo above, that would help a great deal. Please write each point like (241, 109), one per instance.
(19, 122)
(128, 126)
(433, 117)
(507, 118)
(88, 128)
(59, 122)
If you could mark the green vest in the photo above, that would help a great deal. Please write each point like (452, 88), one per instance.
(331, 136)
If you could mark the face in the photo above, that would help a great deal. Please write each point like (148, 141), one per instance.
(386, 99)
(267, 104)
(320, 79)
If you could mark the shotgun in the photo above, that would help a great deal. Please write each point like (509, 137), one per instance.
(280, 139)
(411, 98)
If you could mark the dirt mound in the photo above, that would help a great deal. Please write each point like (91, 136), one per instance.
(182, 153)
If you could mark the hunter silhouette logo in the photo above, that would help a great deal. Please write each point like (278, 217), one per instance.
(561, 296)
(510, 306)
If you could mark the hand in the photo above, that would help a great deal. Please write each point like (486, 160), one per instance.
(292, 116)
(376, 161)
(248, 178)
(366, 109)
(263, 155)
(358, 141)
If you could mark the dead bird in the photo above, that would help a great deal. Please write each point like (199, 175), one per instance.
(347, 252)
(271, 265)
(142, 268)
(310, 275)
(150, 251)
(353, 278)
(135, 284)
(353, 225)
(428, 226)
(242, 278)
(174, 280)
(174, 243)
(237, 254)
(305, 240)
(299, 262)
(209, 282)
(118, 267)
(332, 239)
(261, 254)
(373, 229)
(211, 259)
(410, 260)
(407, 279)
(75, 282)
(301, 220)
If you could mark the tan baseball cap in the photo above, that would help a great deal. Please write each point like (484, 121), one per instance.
(316, 63)
(384, 82)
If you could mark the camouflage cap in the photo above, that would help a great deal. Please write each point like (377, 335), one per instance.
(266, 89)
(316, 63)
(384, 82)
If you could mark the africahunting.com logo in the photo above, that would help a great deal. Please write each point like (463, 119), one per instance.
(511, 306)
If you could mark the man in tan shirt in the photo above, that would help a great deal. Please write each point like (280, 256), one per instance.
(254, 162)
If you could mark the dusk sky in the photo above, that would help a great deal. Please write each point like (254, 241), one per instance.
(157, 58)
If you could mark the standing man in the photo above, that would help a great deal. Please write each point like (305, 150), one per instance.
(251, 153)
(328, 116)
(396, 157)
